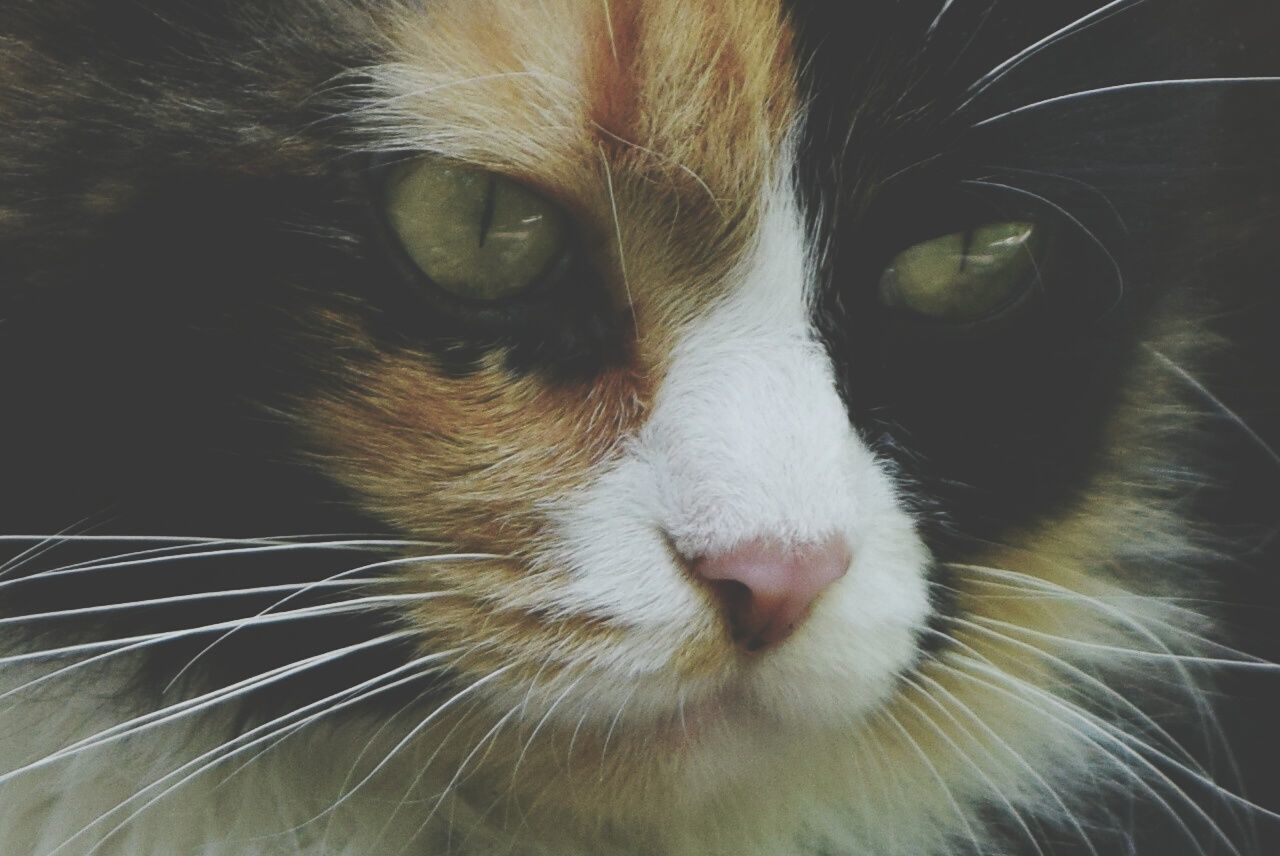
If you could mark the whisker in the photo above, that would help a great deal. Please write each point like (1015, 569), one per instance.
(1128, 771)
(1218, 404)
(58, 573)
(1098, 242)
(319, 542)
(942, 13)
(43, 546)
(1076, 27)
(515, 768)
(435, 714)
(118, 647)
(1018, 759)
(1135, 746)
(1137, 653)
(1121, 87)
(407, 560)
(937, 777)
(992, 787)
(190, 707)
(1124, 618)
(1091, 189)
(208, 760)
(220, 594)
(489, 738)
(617, 228)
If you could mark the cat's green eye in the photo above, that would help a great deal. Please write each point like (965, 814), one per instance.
(474, 234)
(966, 276)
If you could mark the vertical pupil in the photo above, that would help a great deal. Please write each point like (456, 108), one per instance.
(966, 244)
(490, 203)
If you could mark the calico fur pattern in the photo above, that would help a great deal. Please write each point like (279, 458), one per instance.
(217, 341)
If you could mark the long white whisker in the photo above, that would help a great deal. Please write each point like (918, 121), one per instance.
(44, 545)
(235, 551)
(617, 228)
(1109, 736)
(1109, 739)
(1133, 747)
(1016, 756)
(183, 598)
(1075, 27)
(490, 737)
(1207, 717)
(190, 707)
(324, 707)
(408, 560)
(942, 13)
(118, 647)
(317, 541)
(1110, 693)
(1208, 394)
(1135, 653)
(937, 777)
(515, 768)
(1121, 87)
(1118, 615)
(413, 733)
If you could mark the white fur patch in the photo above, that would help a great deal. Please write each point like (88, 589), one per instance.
(749, 438)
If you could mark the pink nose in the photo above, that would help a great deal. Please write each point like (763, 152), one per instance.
(767, 588)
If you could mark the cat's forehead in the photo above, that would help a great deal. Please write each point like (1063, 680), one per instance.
(687, 102)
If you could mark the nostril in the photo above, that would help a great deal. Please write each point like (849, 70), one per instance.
(767, 587)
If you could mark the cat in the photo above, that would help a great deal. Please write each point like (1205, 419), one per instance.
(628, 426)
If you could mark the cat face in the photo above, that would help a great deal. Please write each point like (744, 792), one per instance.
(712, 420)
(735, 383)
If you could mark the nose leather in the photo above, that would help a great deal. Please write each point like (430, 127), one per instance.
(768, 587)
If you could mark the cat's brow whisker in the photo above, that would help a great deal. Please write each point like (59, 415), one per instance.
(1089, 233)
(701, 182)
(617, 228)
(1123, 87)
(1076, 27)
(1090, 188)
(190, 707)
(206, 761)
